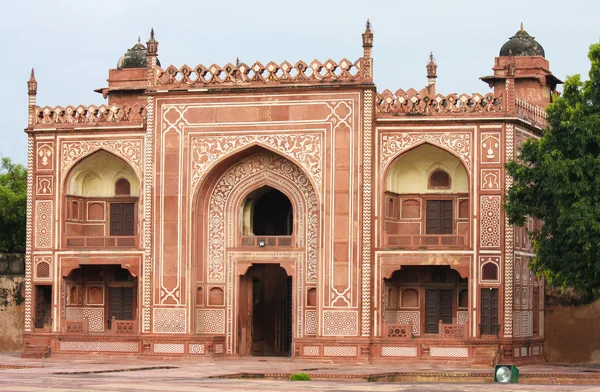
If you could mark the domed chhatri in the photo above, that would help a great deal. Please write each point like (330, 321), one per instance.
(522, 44)
(136, 57)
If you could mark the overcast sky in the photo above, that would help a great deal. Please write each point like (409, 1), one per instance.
(73, 43)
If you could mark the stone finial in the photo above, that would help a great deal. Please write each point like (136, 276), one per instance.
(237, 61)
(368, 36)
(522, 26)
(32, 83)
(431, 69)
(152, 45)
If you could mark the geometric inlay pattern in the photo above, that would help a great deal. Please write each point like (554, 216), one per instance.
(128, 347)
(490, 221)
(94, 316)
(218, 348)
(210, 321)
(454, 352)
(340, 323)
(311, 322)
(508, 240)
(412, 317)
(462, 317)
(196, 349)
(399, 351)
(340, 351)
(43, 224)
(310, 351)
(169, 348)
(169, 320)
(42, 267)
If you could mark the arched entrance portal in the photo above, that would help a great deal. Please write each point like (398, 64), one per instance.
(265, 311)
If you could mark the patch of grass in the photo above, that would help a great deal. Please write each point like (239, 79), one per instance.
(300, 377)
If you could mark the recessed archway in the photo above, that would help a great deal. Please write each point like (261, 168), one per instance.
(221, 219)
(426, 200)
(101, 201)
(267, 211)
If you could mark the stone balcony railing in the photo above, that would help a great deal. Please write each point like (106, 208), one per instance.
(100, 242)
(282, 241)
(412, 103)
(428, 241)
(91, 115)
(272, 73)
(531, 113)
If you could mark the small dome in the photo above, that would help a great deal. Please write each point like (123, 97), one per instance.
(522, 44)
(136, 57)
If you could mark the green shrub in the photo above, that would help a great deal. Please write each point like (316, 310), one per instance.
(300, 377)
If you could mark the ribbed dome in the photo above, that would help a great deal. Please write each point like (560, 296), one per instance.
(136, 57)
(522, 44)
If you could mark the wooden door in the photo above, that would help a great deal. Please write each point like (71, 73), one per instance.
(128, 219)
(489, 311)
(438, 306)
(439, 217)
(535, 309)
(245, 316)
(122, 219)
(120, 303)
(43, 306)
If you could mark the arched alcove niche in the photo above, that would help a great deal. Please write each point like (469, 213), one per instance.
(410, 173)
(426, 200)
(101, 200)
(98, 174)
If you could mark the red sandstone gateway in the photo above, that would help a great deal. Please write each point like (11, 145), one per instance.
(283, 209)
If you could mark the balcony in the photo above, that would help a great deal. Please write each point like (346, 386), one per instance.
(279, 241)
(429, 241)
(91, 242)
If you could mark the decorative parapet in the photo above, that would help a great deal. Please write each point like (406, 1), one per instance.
(90, 115)
(531, 113)
(412, 103)
(272, 73)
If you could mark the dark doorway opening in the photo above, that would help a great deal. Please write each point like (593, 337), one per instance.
(265, 312)
(43, 306)
(269, 213)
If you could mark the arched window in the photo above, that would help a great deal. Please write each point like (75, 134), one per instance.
(267, 211)
(122, 187)
(439, 179)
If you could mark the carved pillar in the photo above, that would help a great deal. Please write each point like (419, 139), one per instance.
(28, 236)
(32, 91)
(152, 46)
(367, 60)
(508, 241)
(367, 196)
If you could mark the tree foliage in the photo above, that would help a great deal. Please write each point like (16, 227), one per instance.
(13, 206)
(557, 180)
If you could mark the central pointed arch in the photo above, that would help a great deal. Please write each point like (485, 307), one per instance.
(218, 227)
